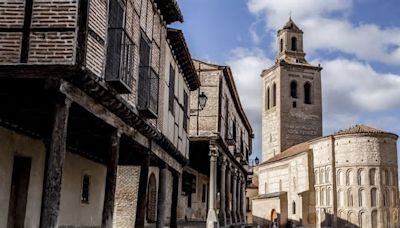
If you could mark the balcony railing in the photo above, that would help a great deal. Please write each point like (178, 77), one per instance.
(148, 92)
(119, 68)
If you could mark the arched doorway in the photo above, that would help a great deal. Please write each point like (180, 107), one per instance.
(274, 218)
(151, 200)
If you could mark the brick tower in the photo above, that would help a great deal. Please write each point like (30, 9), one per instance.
(292, 109)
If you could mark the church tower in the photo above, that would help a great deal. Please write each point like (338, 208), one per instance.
(292, 109)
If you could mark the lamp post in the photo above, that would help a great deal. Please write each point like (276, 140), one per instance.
(257, 161)
(201, 103)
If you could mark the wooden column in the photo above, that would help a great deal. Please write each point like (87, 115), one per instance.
(174, 203)
(111, 179)
(162, 195)
(142, 192)
(55, 164)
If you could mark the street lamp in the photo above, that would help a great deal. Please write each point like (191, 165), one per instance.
(201, 103)
(257, 161)
(202, 100)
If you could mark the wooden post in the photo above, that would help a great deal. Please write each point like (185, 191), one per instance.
(142, 192)
(55, 164)
(111, 179)
(174, 203)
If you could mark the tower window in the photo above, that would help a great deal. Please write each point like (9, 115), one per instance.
(293, 89)
(294, 44)
(293, 207)
(274, 95)
(294, 104)
(281, 45)
(307, 93)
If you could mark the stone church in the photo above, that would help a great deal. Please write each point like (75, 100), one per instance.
(347, 179)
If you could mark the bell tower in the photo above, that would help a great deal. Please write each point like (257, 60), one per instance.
(292, 107)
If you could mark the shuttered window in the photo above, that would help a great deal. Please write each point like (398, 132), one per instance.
(120, 49)
(171, 89)
(185, 110)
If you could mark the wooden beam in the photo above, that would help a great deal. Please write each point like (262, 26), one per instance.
(111, 180)
(102, 113)
(55, 164)
(83, 21)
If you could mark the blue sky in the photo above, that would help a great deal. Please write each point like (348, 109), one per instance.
(357, 43)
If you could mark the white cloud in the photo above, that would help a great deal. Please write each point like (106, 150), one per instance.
(322, 31)
(246, 65)
(350, 86)
(352, 92)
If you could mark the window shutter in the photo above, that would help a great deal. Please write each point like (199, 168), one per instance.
(171, 89)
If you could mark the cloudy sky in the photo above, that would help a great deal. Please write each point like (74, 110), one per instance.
(357, 43)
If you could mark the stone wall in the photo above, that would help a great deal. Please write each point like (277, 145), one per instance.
(74, 212)
(13, 144)
(364, 182)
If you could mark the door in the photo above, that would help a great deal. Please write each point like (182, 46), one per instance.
(19, 192)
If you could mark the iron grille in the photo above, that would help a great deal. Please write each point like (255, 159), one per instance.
(148, 92)
(120, 52)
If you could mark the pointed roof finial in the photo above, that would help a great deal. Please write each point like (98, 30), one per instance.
(290, 15)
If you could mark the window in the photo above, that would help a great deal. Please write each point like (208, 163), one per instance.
(373, 197)
(226, 117)
(203, 194)
(281, 45)
(148, 81)
(307, 93)
(349, 198)
(268, 98)
(293, 89)
(234, 130)
(171, 98)
(360, 197)
(85, 189)
(372, 173)
(328, 197)
(359, 177)
(293, 207)
(340, 198)
(349, 177)
(294, 44)
(274, 95)
(185, 110)
(322, 197)
(119, 62)
(294, 104)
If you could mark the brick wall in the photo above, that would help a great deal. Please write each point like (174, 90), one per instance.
(54, 13)
(126, 196)
(51, 47)
(10, 44)
(11, 16)
(12, 13)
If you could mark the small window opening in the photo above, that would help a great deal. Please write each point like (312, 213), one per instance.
(294, 44)
(294, 104)
(85, 189)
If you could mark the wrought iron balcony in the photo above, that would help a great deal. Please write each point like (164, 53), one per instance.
(148, 92)
(120, 54)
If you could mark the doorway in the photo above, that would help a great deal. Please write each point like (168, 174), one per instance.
(19, 191)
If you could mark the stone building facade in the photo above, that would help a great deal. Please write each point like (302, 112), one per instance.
(220, 146)
(348, 179)
(95, 112)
